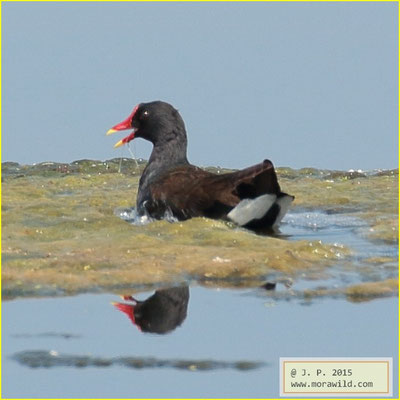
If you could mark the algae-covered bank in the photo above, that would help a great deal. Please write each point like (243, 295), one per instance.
(66, 229)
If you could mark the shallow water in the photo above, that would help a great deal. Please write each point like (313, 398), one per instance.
(228, 346)
(62, 234)
(331, 274)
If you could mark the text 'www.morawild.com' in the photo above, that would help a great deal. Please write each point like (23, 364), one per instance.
(342, 383)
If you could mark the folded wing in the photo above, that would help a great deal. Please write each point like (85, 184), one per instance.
(251, 197)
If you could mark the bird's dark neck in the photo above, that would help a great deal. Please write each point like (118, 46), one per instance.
(169, 153)
(165, 156)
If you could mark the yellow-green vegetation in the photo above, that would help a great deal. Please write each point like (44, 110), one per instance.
(371, 290)
(373, 197)
(60, 234)
(356, 293)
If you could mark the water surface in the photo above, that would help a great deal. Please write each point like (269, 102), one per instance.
(325, 285)
(228, 346)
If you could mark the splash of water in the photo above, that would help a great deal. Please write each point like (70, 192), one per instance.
(130, 215)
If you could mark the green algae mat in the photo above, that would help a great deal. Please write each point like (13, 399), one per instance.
(62, 233)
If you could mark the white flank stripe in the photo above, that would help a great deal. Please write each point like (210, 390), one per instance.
(249, 209)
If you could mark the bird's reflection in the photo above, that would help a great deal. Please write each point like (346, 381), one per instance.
(161, 313)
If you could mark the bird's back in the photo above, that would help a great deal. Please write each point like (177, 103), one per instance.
(187, 191)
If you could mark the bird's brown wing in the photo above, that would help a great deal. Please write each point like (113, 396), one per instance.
(183, 191)
(255, 181)
(189, 191)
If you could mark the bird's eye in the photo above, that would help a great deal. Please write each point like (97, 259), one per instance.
(145, 114)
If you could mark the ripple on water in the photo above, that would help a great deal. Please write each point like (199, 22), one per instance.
(342, 229)
(317, 220)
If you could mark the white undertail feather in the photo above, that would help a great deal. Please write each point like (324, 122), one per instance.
(284, 204)
(249, 209)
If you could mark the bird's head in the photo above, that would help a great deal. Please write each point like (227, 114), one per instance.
(156, 121)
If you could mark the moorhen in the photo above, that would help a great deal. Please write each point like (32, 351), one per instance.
(170, 185)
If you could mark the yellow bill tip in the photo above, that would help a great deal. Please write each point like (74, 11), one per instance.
(118, 144)
(110, 131)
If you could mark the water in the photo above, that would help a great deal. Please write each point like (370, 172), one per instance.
(130, 215)
(68, 229)
(203, 357)
(339, 229)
